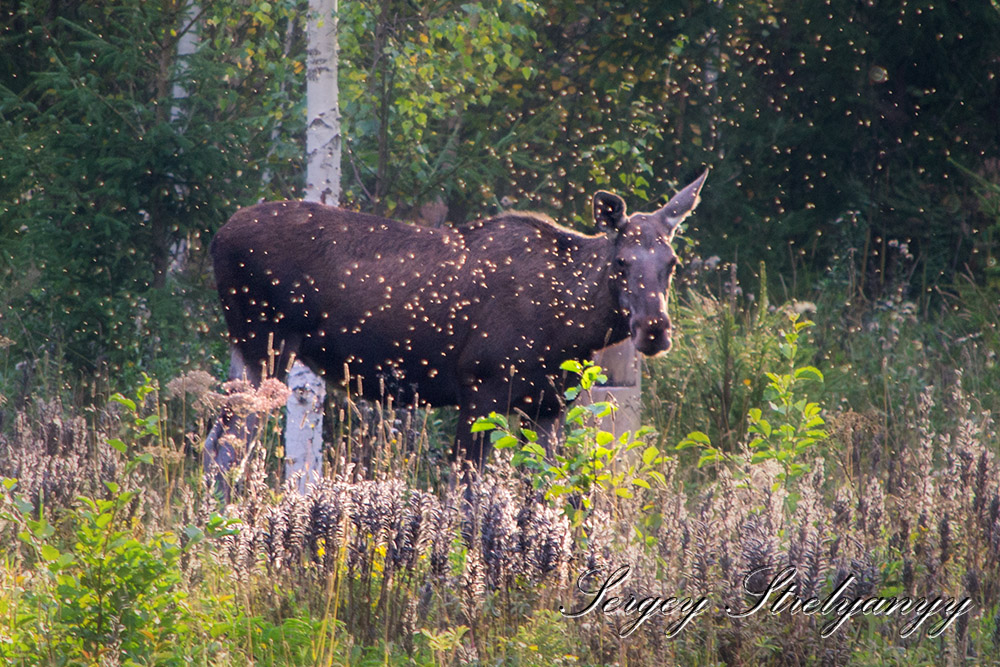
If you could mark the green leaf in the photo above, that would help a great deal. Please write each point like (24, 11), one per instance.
(649, 455)
(219, 629)
(600, 409)
(710, 456)
(529, 434)
(118, 444)
(641, 482)
(809, 372)
(763, 427)
(146, 388)
(572, 365)
(623, 492)
(505, 441)
(695, 439)
(127, 402)
(50, 553)
(150, 425)
(482, 424)
(604, 438)
(194, 534)
(41, 528)
(534, 448)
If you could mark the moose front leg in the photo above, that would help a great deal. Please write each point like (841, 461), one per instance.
(473, 447)
(477, 400)
(549, 433)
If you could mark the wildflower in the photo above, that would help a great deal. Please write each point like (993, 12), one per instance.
(804, 307)
(196, 382)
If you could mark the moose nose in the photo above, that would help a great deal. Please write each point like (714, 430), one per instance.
(656, 325)
(650, 328)
(651, 335)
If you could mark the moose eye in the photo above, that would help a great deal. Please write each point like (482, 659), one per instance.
(621, 262)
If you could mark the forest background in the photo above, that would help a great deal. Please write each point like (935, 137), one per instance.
(855, 156)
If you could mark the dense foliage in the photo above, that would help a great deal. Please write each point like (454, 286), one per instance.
(118, 161)
(833, 128)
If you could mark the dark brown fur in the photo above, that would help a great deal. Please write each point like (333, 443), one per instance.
(479, 316)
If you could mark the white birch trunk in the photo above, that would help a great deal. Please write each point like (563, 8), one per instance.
(323, 144)
(304, 425)
(186, 46)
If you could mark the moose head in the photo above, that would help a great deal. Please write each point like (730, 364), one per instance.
(644, 261)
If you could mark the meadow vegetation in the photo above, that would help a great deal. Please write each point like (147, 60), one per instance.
(779, 435)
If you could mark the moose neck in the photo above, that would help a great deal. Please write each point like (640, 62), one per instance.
(605, 322)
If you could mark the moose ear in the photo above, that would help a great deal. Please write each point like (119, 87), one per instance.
(609, 211)
(682, 204)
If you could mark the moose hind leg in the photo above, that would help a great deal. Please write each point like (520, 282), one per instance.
(219, 454)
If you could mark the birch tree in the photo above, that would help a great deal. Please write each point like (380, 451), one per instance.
(187, 44)
(304, 428)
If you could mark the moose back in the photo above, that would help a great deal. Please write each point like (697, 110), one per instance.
(480, 316)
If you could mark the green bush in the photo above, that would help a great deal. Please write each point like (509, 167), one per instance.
(782, 428)
(591, 460)
(99, 593)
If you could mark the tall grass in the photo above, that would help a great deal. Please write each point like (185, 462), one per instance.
(115, 551)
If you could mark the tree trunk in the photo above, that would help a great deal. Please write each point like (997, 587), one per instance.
(323, 141)
(187, 44)
(304, 420)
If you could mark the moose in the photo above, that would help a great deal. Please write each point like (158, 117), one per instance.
(480, 316)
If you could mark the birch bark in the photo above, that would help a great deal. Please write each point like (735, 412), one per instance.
(304, 425)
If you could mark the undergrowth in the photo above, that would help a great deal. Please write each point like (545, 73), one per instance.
(766, 460)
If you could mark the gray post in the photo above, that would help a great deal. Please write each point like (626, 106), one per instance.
(624, 387)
